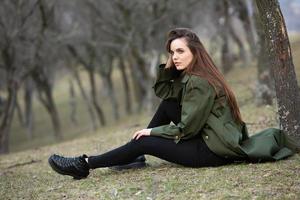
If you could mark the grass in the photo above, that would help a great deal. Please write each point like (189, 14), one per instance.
(43, 130)
(26, 174)
(161, 180)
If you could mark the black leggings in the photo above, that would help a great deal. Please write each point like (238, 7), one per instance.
(190, 153)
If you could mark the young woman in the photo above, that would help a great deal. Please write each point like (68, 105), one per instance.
(207, 127)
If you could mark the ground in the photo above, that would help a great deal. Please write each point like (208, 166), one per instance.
(27, 175)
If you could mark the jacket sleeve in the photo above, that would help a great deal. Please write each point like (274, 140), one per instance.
(163, 85)
(197, 103)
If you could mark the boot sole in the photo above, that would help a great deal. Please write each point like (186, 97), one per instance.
(134, 165)
(58, 170)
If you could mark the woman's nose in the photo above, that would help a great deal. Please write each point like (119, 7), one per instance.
(175, 57)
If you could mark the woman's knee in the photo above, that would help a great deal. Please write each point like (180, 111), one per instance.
(146, 142)
(172, 109)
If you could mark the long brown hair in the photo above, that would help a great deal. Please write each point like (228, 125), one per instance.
(202, 65)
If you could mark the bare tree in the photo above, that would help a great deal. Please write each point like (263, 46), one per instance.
(15, 35)
(282, 67)
(88, 61)
(45, 59)
(38, 37)
(81, 43)
(28, 102)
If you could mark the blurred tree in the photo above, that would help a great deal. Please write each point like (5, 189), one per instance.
(241, 10)
(80, 40)
(87, 60)
(282, 67)
(40, 37)
(226, 17)
(113, 39)
(28, 101)
(16, 56)
(226, 55)
(73, 31)
(74, 72)
(72, 103)
(46, 51)
(104, 59)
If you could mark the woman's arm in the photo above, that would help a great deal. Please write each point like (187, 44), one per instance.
(197, 103)
(165, 77)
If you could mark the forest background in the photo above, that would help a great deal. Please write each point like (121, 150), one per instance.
(79, 66)
(79, 75)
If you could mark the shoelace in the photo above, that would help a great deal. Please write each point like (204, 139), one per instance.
(66, 162)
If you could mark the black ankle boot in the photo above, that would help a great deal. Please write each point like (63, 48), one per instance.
(76, 167)
(139, 162)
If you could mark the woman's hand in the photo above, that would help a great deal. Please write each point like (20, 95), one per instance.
(169, 61)
(138, 134)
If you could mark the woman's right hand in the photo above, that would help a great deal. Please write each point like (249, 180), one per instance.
(140, 133)
(169, 61)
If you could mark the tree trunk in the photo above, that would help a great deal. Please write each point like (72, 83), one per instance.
(137, 91)
(49, 104)
(54, 114)
(264, 91)
(86, 99)
(153, 62)
(226, 59)
(72, 103)
(240, 44)
(7, 117)
(247, 22)
(94, 98)
(19, 112)
(44, 87)
(287, 90)
(140, 81)
(74, 52)
(28, 108)
(127, 91)
(112, 96)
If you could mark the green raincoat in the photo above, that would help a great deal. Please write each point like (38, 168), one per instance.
(205, 112)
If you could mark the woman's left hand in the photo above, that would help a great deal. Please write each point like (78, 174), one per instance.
(143, 132)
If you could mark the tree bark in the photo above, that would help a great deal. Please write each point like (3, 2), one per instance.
(19, 112)
(264, 91)
(112, 96)
(282, 67)
(127, 91)
(53, 113)
(240, 44)
(85, 98)
(72, 103)
(28, 107)
(90, 70)
(246, 20)
(140, 78)
(226, 57)
(7, 117)
(47, 100)
(94, 98)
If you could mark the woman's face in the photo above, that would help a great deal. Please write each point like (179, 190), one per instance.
(181, 54)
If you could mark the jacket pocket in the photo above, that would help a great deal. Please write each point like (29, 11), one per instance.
(236, 135)
(227, 132)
